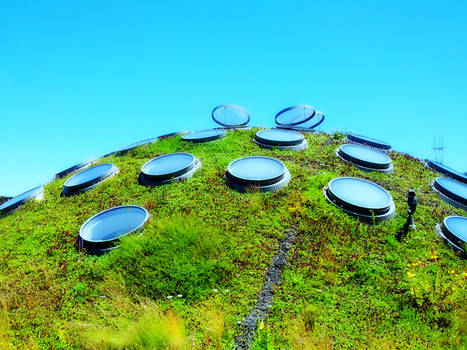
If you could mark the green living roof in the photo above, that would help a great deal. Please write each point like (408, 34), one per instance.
(195, 273)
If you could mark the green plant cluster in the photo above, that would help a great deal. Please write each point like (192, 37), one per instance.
(197, 268)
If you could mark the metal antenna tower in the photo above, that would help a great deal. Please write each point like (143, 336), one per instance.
(438, 148)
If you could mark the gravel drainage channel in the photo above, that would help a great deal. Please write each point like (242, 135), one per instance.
(264, 300)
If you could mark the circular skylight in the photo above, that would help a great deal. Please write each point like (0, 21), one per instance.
(449, 172)
(368, 141)
(295, 115)
(307, 126)
(230, 115)
(361, 198)
(89, 178)
(15, 202)
(73, 169)
(168, 168)
(452, 191)
(173, 134)
(256, 172)
(204, 135)
(128, 148)
(365, 158)
(103, 230)
(454, 228)
(281, 139)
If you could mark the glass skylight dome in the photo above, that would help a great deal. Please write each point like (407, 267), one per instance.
(73, 168)
(230, 116)
(168, 168)
(89, 178)
(281, 139)
(204, 135)
(307, 126)
(449, 172)
(365, 140)
(295, 115)
(453, 230)
(128, 148)
(16, 202)
(361, 198)
(257, 173)
(451, 191)
(365, 158)
(173, 134)
(102, 231)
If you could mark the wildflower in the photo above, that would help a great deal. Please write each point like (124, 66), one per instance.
(410, 274)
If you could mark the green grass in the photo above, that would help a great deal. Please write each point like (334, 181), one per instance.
(347, 284)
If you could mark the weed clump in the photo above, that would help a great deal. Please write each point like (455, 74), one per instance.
(180, 255)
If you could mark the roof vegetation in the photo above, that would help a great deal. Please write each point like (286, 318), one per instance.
(195, 272)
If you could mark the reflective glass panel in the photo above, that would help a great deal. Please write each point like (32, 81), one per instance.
(168, 164)
(280, 136)
(256, 168)
(113, 223)
(295, 115)
(458, 226)
(89, 174)
(360, 193)
(230, 115)
(204, 134)
(453, 186)
(15, 200)
(366, 154)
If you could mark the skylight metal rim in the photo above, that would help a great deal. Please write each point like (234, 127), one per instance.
(205, 139)
(139, 227)
(134, 145)
(173, 134)
(255, 182)
(246, 187)
(364, 217)
(447, 193)
(446, 170)
(38, 193)
(447, 242)
(449, 234)
(243, 109)
(169, 175)
(365, 210)
(299, 147)
(294, 107)
(69, 190)
(270, 142)
(74, 168)
(145, 181)
(363, 163)
(362, 139)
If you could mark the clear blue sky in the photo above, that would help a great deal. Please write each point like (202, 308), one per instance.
(81, 78)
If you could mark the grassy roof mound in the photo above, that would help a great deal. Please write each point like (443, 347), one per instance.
(195, 273)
